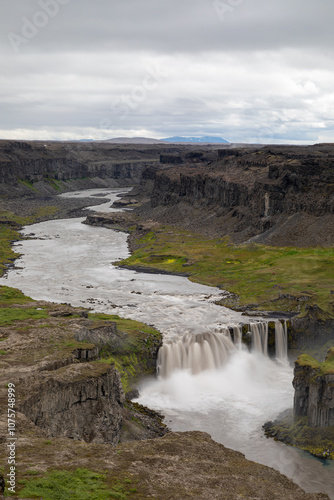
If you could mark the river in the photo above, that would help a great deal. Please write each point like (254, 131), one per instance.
(67, 261)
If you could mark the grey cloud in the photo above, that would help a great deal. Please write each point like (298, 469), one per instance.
(174, 26)
(106, 67)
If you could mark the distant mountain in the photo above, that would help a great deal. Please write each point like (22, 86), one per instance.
(79, 140)
(207, 140)
(133, 140)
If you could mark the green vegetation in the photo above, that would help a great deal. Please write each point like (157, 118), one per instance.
(129, 367)
(9, 226)
(10, 315)
(134, 328)
(296, 432)
(10, 296)
(10, 218)
(55, 184)
(132, 354)
(79, 485)
(264, 277)
(27, 183)
(7, 255)
(44, 213)
(325, 368)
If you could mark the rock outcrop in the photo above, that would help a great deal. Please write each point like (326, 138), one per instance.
(34, 161)
(79, 402)
(62, 385)
(314, 390)
(281, 195)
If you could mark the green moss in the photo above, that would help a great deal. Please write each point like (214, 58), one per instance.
(325, 368)
(44, 212)
(55, 184)
(10, 296)
(27, 183)
(129, 370)
(295, 432)
(307, 360)
(135, 328)
(10, 315)
(6, 215)
(7, 255)
(330, 355)
(133, 355)
(79, 485)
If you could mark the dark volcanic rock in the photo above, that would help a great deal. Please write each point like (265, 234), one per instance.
(281, 195)
(314, 390)
(79, 406)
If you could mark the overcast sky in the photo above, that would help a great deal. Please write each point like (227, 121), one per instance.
(243, 70)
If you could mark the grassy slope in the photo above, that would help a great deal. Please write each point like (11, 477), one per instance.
(261, 275)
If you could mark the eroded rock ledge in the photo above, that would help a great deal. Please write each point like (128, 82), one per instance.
(83, 402)
(314, 390)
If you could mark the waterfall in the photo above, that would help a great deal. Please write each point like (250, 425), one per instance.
(237, 334)
(259, 333)
(212, 349)
(197, 352)
(281, 341)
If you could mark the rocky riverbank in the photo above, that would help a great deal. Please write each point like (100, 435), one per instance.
(310, 425)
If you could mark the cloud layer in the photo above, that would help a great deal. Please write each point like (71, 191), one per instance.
(245, 70)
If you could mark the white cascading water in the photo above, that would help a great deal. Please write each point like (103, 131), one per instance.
(259, 333)
(212, 350)
(199, 352)
(281, 341)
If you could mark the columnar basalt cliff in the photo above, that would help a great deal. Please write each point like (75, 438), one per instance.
(314, 390)
(37, 161)
(89, 407)
(279, 195)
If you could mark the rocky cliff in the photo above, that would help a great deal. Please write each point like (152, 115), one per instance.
(65, 380)
(314, 390)
(36, 161)
(310, 424)
(281, 195)
(32, 162)
(79, 402)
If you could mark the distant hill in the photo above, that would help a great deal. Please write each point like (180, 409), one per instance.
(206, 140)
(133, 140)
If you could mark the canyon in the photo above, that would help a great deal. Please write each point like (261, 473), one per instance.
(267, 195)
(277, 195)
